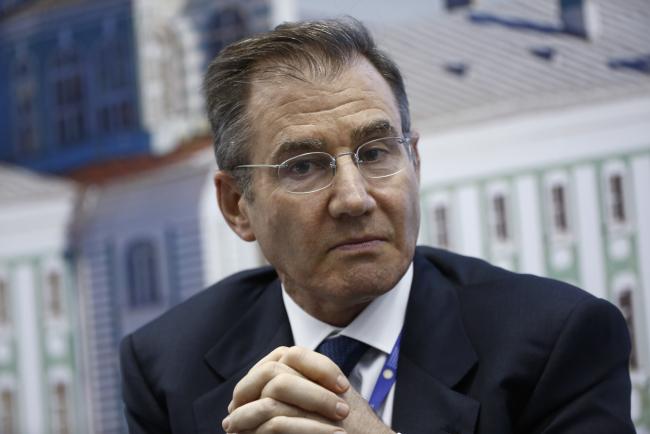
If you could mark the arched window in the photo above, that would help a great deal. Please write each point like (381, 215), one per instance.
(142, 272)
(7, 410)
(226, 26)
(60, 409)
(24, 85)
(69, 92)
(115, 110)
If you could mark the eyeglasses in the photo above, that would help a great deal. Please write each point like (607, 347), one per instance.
(314, 171)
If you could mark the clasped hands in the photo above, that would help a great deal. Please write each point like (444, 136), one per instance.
(295, 390)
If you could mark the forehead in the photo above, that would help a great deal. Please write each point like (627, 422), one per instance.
(332, 110)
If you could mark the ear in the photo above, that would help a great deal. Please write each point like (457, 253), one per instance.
(233, 205)
(415, 137)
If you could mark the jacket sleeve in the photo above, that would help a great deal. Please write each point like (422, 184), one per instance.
(584, 387)
(143, 411)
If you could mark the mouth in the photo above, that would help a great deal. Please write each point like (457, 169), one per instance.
(357, 244)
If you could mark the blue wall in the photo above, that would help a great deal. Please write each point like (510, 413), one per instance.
(85, 29)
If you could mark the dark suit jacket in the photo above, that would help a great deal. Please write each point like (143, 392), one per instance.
(484, 351)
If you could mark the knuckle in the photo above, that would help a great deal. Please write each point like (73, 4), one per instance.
(276, 424)
(269, 407)
(295, 354)
(276, 387)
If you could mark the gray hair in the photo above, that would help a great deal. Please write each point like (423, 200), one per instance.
(323, 48)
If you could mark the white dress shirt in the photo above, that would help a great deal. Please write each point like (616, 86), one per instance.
(378, 326)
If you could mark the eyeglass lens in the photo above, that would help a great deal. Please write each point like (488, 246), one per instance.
(315, 170)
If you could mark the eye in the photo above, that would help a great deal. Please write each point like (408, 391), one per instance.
(374, 152)
(305, 166)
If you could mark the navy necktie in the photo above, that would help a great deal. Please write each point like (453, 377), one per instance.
(343, 351)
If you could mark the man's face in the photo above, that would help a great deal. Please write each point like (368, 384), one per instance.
(338, 248)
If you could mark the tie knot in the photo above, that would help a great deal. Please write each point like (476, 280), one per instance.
(343, 351)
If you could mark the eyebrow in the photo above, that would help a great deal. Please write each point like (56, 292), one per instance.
(377, 128)
(293, 147)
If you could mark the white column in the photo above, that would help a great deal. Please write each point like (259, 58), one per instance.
(588, 229)
(530, 226)
(29, 354)
(640, 184)
(469, 236)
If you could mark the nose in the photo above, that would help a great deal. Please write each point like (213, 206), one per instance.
(349, 190)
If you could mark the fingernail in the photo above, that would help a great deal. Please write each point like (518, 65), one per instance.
(230, 407)
(342, 409)
(342, 382)
(338, 431)
(226, 424)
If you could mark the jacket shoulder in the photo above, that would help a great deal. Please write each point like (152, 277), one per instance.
(478, 278)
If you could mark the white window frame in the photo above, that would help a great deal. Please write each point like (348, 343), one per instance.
(52, 318)
(61, 376)
(554, 180)
(611, 169)
(6, 325)
(440, 201)
(501, 247)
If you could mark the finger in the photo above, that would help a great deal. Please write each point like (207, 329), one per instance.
(250, 387)
(249, 416)
(307, 395)
(316, 367)
(273, 356)
(294, 425)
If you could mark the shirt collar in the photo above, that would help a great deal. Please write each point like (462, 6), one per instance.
(378, 325)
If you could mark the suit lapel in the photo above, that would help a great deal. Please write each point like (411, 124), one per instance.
(262, 328)
(435, 356)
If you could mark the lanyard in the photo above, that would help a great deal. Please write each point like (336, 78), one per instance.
(387, 377)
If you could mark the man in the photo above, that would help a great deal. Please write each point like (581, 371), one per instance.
(320, 166)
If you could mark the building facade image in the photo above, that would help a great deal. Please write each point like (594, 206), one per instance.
(41, 369)
(534, 142)
(92, 81)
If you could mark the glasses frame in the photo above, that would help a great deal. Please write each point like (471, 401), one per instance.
(403, 140)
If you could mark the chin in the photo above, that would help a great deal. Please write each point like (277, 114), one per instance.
(370, 280)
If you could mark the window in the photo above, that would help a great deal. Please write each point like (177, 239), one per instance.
(115, 111)
(225, 26)
(7, 404)
(142, 274)
(25, 131)
(441, 222)
(625, 304)
(559, 209)
(54, 306)
(617, 199)
(69, 98)
(4, 303)
(172, 73)
(500, 213)
(60, 410)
